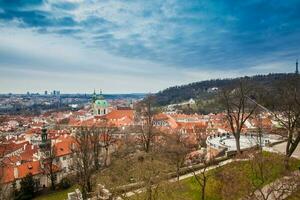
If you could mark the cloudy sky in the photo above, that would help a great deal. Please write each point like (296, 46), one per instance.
(125, 46)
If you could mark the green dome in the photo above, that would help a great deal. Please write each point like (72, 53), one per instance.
(101, 103)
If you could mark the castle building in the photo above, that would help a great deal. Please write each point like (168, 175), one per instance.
(99, 105)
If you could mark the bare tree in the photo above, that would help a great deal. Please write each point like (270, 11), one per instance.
(83, 159)
(177, 149)
(107, 140)
(152, 169)
(147, 171)
(261, 189)
(201, 178)
(48, 156)
(49, 168)
(258, 183)
(233, 182)
(239, 107)
(95, 142)
(287, 112)
(201, 136)
(145, 115)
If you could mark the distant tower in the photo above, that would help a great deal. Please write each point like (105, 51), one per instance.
(297, 70)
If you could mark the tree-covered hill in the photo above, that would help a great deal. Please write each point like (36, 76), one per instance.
(204, 89)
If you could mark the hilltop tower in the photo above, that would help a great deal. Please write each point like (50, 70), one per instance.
(297, 70)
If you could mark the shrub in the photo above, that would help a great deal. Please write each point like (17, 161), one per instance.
(65, 183)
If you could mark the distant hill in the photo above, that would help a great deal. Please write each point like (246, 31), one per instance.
(205, 89)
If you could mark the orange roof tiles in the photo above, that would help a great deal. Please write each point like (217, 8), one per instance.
(118, 114)
(64, 147)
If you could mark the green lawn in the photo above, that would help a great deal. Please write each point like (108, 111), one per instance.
(237, 186)
(57, 195)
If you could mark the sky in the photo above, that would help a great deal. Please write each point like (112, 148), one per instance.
(125, 46)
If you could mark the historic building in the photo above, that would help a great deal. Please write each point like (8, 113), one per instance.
(99, 105)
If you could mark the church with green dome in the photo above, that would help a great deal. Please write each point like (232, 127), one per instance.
(99, 105)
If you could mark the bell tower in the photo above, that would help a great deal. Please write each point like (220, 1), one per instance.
(45, 145)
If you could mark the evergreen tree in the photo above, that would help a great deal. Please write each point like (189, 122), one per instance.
(27, 188)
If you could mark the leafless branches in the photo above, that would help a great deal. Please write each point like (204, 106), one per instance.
(238, 108)
(83, 159)
(202, 178)
(145, 116)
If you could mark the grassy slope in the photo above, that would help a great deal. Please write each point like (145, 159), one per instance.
(189, 189)
(57, 195)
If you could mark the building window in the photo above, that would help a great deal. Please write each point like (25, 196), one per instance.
(64, 158)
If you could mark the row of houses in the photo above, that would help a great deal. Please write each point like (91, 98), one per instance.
(22, 154)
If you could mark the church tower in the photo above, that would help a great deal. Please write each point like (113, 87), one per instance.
(100, 105)
(45, 145)
(297, 70)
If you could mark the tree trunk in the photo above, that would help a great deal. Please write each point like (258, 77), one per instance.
(286, 162)
(203, 190)
(84, 193)
(106, 157)
(177, 171)
(89, 185)
(238, 146)
(52, 181)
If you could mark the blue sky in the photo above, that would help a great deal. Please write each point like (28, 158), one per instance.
(123, 46)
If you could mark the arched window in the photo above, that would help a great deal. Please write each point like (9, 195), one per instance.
(99, 112)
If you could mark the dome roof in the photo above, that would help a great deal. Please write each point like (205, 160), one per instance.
(101, 103)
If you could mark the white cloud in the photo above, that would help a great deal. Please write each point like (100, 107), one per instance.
(203, 49)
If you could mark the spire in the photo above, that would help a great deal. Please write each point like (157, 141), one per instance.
(94, 96)
(101, 97)
(44, 134)
(297, 70)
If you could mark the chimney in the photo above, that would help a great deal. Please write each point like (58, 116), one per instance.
(16, 172)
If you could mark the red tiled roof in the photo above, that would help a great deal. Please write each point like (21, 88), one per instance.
(22, 170)
(64, 147)
(118, 114)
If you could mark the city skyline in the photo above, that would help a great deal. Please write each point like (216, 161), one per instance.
(141, 46)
